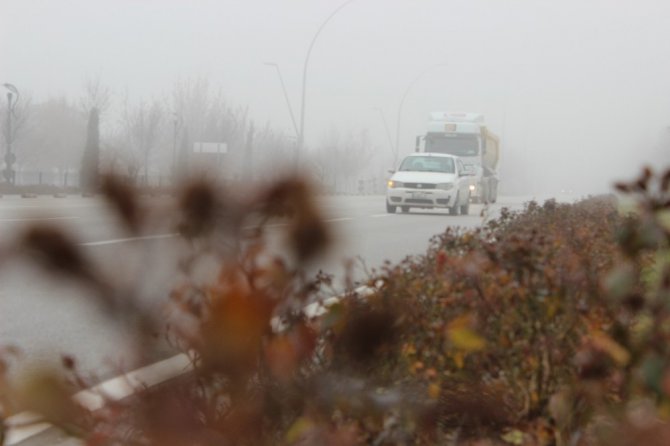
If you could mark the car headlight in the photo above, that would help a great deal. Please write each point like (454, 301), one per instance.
(472, 188)
(393, 184)
(445, 186)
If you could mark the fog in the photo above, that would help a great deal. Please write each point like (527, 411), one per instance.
(577, 90)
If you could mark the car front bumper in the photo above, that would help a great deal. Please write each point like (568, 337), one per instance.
(432, 198)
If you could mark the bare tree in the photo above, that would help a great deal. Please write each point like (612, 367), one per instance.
(22, 111)
(140, 126)
(209, 118)
(96, 95)
(90, 163)
(192, 101)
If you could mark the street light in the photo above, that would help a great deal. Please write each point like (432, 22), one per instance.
(394, 150)
(288, 102)
(301, 133)
(10, 157)
(402, 101)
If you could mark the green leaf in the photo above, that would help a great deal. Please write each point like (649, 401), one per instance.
(620, 281)
(514, 436)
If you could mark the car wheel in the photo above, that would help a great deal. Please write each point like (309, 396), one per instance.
(405, 209)
(454, 209)
(465, 208)
(390, 208)
(483, 194)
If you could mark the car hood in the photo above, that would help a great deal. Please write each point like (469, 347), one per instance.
(424, 177)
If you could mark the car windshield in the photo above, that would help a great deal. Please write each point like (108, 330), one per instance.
(428, 164)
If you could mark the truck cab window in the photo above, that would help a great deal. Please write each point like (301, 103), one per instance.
(458, 145)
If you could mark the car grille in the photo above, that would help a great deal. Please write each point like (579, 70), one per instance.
(419, 185)
(418, 201)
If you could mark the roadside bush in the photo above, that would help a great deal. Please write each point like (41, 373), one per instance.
(498, 315)
(545, 326)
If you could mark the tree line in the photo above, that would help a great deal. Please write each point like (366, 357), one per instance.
(150, 139)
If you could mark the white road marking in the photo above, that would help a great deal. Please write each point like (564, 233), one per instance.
(281, 225)
(273, 225)
(37, 219)
(161, 236)
(47, 206)
(126, 240)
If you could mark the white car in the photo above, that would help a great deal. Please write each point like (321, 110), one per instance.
(430, 180)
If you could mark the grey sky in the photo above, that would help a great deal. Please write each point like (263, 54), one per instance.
(579, 86)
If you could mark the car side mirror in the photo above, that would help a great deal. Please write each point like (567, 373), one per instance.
(391, 171)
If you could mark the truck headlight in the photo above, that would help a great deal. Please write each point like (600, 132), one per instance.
(445, 186)
(393, 184)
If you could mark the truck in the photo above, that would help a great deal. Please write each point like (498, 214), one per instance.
(464, 134)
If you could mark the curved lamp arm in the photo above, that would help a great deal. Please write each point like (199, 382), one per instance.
(301, 136)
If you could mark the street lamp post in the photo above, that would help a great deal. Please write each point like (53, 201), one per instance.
(288, 102)
(394, 150)
(301, 133)
(10, 157)
(290, 108)
(402, 102)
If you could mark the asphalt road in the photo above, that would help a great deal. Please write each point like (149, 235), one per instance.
(47, 318)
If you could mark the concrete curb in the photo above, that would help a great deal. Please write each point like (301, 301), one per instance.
(26, 425)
